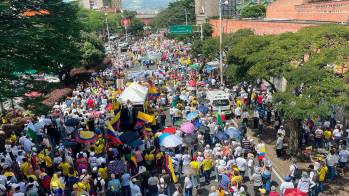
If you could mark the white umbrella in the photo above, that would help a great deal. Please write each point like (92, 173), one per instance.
(171, 141)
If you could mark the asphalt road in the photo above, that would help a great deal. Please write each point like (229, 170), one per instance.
(205, 188)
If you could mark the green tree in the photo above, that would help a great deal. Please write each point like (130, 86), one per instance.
(95, 21)
(39, 36)
(91, 47)
(253, 11)
(175, 14)
(136, 27)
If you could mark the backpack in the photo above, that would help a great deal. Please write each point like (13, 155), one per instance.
(297, 172)
(99, 185)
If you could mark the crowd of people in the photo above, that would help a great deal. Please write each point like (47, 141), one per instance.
(93, 143)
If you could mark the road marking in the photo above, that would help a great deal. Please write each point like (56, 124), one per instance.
(277, 175)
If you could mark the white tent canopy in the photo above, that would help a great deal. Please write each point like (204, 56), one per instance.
(136, 93)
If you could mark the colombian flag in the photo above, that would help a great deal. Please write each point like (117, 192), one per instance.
(143, 118)
(115, 121)
(170, 167)
(111, 134)
(86, 137)
(261, 153)
(153, 93)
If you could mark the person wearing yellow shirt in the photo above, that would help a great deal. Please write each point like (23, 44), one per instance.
(236, 180)
(8, 172)
(322, 176)
(99, 147)
(195, 165)
(149, 160)
(103, 171)
(56, 185)
(65, 167)
(26, 167)
(327, 136)
(207, 165)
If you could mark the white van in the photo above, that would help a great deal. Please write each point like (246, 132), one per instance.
(219, 100)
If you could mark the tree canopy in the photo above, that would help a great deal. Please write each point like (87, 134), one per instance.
(175, 14)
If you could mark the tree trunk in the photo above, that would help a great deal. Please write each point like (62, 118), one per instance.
(12, 104)
(293, 127)
(2, 109)
(273, 88)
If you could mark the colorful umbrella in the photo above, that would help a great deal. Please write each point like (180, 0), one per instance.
(192, 83)
(187, 127)
(163, 136)
(171, 141)
(233, 133)
(136, 143)
(116, 167)
(294, 192)
(221, 135)
(128, 137)
(171, 130)
(192, 115)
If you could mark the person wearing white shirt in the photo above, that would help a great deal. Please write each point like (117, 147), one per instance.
(305, 183)
(331, 160)
(135, 190)
(241, 163)
(343, 157)
(292, 171)
(287, 184)
(237, 112)
(188, 186)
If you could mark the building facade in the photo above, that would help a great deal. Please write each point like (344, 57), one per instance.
(289, 16)
(99, 4)
(205, 9)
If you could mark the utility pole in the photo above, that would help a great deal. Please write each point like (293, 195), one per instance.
(106, 21)
(186, 16)
(201, 32)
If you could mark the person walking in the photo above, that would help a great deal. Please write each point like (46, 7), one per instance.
(188, 186)
(207, 165)
(257, 180)
(287, 184)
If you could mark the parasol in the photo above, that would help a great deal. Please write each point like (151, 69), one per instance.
(192, 83)
(233, 133)
(136, 143)
(187, 127)
(129, 136)
(116, 167)
(171, 141)
(171, 130)
(203, 109)
(221, 135)
(192, 115)
(163, 136)
(72, 122)
(294, 192)
(189, 139)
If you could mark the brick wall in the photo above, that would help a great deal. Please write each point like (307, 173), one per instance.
(259, 27)
(335, 11)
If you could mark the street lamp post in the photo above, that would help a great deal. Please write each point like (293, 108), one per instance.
(106, 21)
(221, 39)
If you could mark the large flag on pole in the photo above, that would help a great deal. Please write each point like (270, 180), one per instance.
(115, 121)
(31, 132)
(112, 135)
